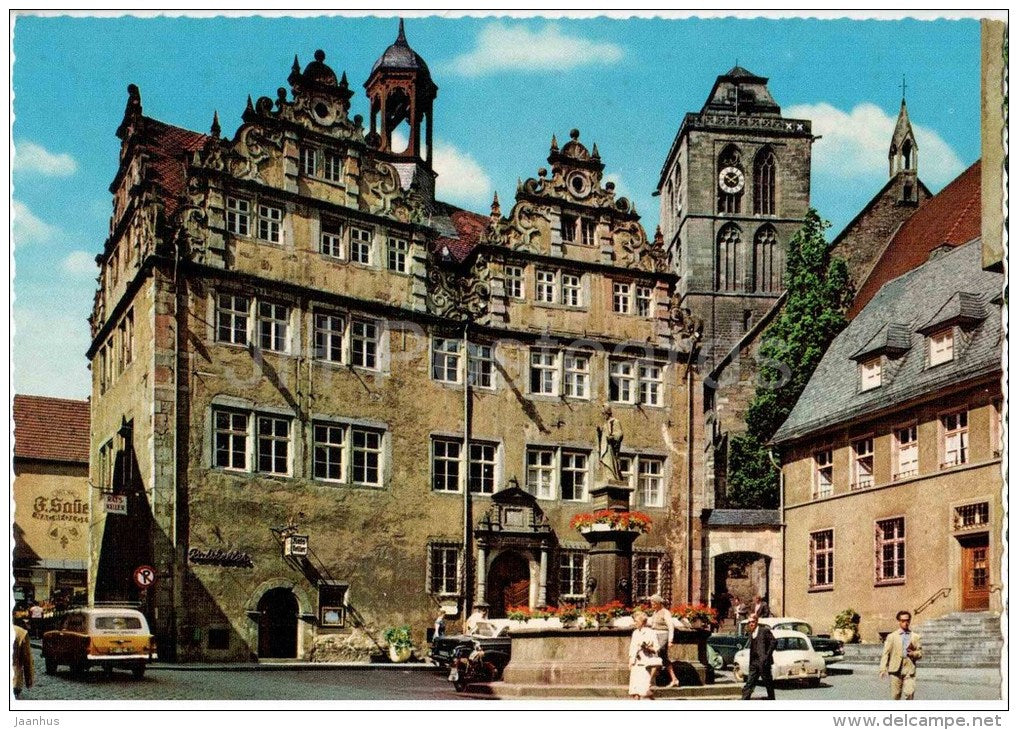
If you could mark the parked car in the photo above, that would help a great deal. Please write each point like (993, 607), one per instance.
(830, 649)
(112, 638)
(491, 636)
(726, 645)
(794, 659)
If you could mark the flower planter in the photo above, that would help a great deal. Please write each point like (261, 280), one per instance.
(399, 654)
(596, 527)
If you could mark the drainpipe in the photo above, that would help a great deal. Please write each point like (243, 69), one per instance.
(689, 475)
(175, 580)
(466, 469)
(781, 515)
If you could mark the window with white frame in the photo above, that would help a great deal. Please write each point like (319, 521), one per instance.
(544, 372)
(445, 464)
(652, 383)
(622, 297)
(823, 474)
(273, 445)
(636, 381)
(398, 249)
(577, 375)
(481, 365)
(230, 435)
(443, 570)
(644, 300)
(238, 216)
(448, 472)
(331, 243)
(270, 221)
(572, 290)
(232, 315)
(366, 457)
(568, 228)
(330, 452)
(332, 167)
(273, 326)
(862, 463)
(972, 516)
(941, 346)
(955, 438)
(889, 564)
(574, 476)
(541, 472)
(906, 441)
(545, 289)
(347, 453)
(330, 332)
(360, 245)
(446, 354)
(622, 381)
(483, 466)
(588, 229)
(650, 481)
(572, 579)
(364, 340)
(308, 159)
(514, 282)
(869, 374)
(646, 576)
(821, 559)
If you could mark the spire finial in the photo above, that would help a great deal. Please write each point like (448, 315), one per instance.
(216, 130)
(903, 86)
(496, 209)
(402, 32)
(554, 142)
(296, 63)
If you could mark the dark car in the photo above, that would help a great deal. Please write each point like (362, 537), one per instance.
(492, 636)
(725, 645)
(830, 649)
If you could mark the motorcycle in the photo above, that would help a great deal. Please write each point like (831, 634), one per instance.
(472, 664)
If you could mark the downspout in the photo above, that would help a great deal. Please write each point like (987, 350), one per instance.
(176, 580)
(689, 474)
(467, 593)
(781, 516)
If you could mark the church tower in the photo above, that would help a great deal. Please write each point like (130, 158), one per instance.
(402, 97)
(734, 189)
(903, 158)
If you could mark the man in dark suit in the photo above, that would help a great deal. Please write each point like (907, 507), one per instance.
(760, 608)
(761, 658)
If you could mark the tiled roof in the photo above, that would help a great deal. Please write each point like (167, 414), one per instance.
(832, 395)
(52, 429)
(744, 517)
(950, 217)
(460, 230)
(169, 146)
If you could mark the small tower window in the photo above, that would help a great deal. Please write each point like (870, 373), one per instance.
(766, 269)
(764, 182)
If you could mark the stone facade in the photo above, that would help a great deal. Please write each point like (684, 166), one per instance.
(316, 344)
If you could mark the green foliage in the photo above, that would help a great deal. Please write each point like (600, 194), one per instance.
(847, 619)
(398, 637)
(819, 294)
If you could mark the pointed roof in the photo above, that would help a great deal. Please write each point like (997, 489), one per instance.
(741, 91)
(902, 129)
(400, 56)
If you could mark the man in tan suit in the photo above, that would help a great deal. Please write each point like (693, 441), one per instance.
(901, 651)
(21, 662)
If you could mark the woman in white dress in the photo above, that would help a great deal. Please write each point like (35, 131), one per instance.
(643, 659)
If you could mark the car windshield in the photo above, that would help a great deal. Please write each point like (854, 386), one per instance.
(117, 623)
(801, 626)
(483, 628)
(790, 643)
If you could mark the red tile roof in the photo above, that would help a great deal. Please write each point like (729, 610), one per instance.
(950, 217)
(469, 227)
(52, 429)
(169, 146)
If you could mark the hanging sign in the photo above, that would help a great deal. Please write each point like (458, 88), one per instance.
(295, 545)
(116, 504)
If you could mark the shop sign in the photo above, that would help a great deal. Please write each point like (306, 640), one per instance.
(221, 558)
(295, 545)
(116, 504)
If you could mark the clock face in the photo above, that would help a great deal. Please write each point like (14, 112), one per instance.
(731, 180)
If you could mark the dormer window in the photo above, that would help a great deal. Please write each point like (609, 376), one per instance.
(941, 346)
(869, 374)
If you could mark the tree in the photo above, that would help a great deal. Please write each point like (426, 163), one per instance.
(818, 295)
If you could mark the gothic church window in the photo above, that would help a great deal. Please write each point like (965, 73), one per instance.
(766, 268)
(731, 181)
(764, 182)
(728, 258)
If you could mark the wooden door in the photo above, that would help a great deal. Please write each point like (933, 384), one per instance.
(975, 574)
(508, 583)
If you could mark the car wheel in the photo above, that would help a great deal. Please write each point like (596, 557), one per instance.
(138, 671)
(51, 665)
(79, 668)
(737, 671)
(813, 682)
(108, 670)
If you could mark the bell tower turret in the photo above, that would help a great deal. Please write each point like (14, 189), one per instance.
(903, 157)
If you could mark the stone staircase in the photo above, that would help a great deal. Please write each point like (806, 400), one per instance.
(964, 639)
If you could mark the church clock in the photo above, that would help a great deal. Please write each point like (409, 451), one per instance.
(731, 180)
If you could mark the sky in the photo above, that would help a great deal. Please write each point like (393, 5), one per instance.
(505, 86)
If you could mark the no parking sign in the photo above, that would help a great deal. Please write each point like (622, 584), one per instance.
(144, 576)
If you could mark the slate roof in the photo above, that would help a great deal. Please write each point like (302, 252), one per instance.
(51, 429)
(743, 517)
(950, 217)
(831, 397)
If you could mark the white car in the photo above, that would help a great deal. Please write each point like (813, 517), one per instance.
(830, 649)
(794, 659)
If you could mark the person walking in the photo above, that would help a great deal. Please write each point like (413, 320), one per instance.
(643, 658)
(661, 623)
(761, 658)
(21, 662)
(480, 614)
(760, 607)
(35, 614)
(738, 611)
(902, 649)
(439, 628)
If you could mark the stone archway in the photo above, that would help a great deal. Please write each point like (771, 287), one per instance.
(508, 582)
(744, 574)
(277, 624)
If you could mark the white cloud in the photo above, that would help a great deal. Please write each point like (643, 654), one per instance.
(30, 157)
(48, 356)
(80, 264)
(29, 228)
(501, 47)
(460, 178)
(855, 143)
(621, 189)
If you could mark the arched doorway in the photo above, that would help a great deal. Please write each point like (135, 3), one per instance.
(508, 583)
(744, 574)
(277, 624)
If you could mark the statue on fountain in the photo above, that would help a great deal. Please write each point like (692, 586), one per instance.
(609, 444)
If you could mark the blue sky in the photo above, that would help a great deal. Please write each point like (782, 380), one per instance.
(505, 86)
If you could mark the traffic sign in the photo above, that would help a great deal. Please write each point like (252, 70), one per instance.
(144, 576)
